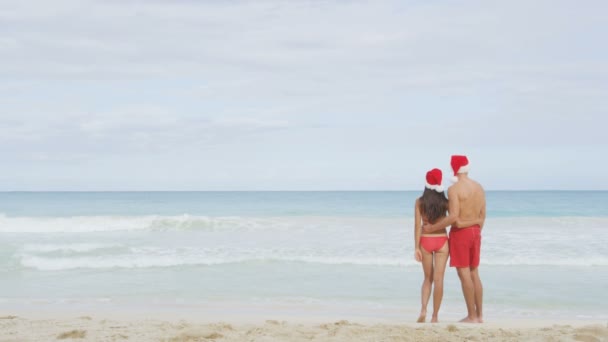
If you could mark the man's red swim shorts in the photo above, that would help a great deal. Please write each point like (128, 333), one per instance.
(465, 245)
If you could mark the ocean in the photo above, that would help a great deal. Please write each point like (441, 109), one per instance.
(544, 254)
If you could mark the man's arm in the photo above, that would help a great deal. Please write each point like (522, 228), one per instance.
(453, 213)
(482, 214)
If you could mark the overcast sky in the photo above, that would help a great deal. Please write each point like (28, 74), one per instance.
(304, 95)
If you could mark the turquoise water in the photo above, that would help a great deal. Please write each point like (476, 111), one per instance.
(544, 254)
(330, 203)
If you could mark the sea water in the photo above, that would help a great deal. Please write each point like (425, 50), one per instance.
(544, 254)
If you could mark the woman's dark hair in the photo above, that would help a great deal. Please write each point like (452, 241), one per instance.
(433, 205)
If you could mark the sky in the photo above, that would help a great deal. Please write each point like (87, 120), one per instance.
(301, 95)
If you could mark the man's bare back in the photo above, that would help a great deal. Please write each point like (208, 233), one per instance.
(471, 199)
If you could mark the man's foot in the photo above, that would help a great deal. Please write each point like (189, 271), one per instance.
(468, 320)
(434, 319)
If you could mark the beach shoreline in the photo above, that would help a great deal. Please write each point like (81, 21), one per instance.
(151, 327)
(258, 311)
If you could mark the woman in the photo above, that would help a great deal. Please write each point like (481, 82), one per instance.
(432, 249)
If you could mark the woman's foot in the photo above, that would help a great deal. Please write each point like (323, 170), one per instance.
(434, 319)
(422, 317)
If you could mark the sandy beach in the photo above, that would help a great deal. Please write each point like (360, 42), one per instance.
(91, 328)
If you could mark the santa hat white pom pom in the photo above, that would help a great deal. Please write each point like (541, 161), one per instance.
(454, 179)
(438, 188)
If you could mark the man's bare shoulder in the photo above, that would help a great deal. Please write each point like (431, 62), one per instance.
(477, 185)
(454, 190)
(454, 186)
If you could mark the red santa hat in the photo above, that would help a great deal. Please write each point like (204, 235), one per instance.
(433, 180)
(460, 164)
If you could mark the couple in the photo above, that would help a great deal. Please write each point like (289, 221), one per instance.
(466, 208)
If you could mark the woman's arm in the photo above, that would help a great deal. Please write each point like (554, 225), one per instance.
(417, 232)
(468, 223)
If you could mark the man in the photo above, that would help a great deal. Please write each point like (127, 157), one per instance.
(467, 202)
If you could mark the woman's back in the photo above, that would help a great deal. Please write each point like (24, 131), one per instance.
(433, 206)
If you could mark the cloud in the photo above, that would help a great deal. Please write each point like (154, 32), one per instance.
(101, 39)
(128, 130)
(337, 84)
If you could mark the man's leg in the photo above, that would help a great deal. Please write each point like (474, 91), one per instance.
(478, 293)
(468, 290)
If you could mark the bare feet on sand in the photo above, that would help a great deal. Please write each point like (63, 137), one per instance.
(434, 319)
(469, 320)
(422, 317)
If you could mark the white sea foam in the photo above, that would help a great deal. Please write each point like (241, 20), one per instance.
(74, 247)
(158, 257)
(84, 224)
(55, 264)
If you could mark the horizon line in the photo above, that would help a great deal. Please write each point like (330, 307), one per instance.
(327, 190)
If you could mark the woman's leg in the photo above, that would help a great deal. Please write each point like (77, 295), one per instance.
(427, 267)
(441, 259)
